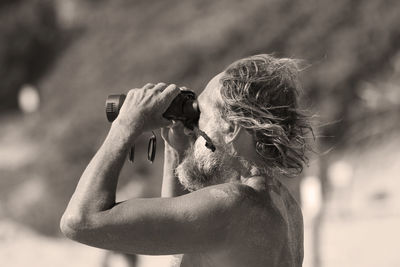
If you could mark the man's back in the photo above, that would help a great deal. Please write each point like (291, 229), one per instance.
(270, 232)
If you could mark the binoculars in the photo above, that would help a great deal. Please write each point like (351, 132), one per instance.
(183, 108)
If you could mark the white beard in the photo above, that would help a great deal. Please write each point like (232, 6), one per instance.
(201, 167)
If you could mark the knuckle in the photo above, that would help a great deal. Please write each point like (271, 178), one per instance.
(172, 89)
(131, 92)
(176, 91)
(160, 86)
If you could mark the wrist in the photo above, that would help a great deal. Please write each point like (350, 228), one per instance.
(123, 132)
(172, 152)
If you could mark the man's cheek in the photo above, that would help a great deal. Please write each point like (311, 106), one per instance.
(200, 149)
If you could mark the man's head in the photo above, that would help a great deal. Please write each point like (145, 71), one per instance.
(251, 108)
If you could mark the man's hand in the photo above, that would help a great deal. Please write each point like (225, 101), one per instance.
(177, 141)
(143, 107)
(177, 137)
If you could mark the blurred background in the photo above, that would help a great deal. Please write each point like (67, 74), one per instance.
(59, 59)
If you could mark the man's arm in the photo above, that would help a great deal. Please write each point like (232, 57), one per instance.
(171, 186)
(96, 189)
(194, 222)
(176, 142)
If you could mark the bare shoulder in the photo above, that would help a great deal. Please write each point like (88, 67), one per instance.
(236, 205)
(243, 202)
(230, 194)
(228, 202)
(257, 229)
(229, 197)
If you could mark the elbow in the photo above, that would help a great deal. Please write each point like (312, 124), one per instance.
(73, 226)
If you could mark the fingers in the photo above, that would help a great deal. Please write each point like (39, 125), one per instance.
(177, 128)
(171, 92)
(148, 86)
(162, 86)
(173, 127)
(134, 90)
(188, 132)
(176, 124)
(164, 122)
(164, 133)
(159, 86)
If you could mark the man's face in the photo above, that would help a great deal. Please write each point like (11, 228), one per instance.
(210, 105)
(202, 167)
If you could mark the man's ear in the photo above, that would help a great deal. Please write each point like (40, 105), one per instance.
(233, 132)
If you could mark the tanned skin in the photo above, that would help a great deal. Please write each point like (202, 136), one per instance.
(247, 221)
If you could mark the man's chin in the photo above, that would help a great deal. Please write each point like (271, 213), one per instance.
(190, 176)
(203, 168)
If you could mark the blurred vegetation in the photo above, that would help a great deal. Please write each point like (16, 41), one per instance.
(346, 45)
(30, 33)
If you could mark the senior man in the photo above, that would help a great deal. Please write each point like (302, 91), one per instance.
(218, 208)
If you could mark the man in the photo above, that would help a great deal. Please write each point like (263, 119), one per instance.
(237, 213)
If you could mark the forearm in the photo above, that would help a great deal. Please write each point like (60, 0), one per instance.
(171, 186)
(96, 189)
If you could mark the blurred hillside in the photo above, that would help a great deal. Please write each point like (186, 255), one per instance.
(350, 49)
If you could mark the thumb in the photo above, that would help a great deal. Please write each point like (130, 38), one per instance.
(164, 133)
(177, 127)
(176, 124)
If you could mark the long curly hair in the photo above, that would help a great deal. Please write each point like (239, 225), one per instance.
(260, 94)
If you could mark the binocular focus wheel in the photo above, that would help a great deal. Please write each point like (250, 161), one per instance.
(113, 105)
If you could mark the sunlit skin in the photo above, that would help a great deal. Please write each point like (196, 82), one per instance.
(247, 219)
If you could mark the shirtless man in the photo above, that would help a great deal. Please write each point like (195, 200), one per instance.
(233, 210)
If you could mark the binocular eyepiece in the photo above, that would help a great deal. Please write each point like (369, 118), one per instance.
(183, 108)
